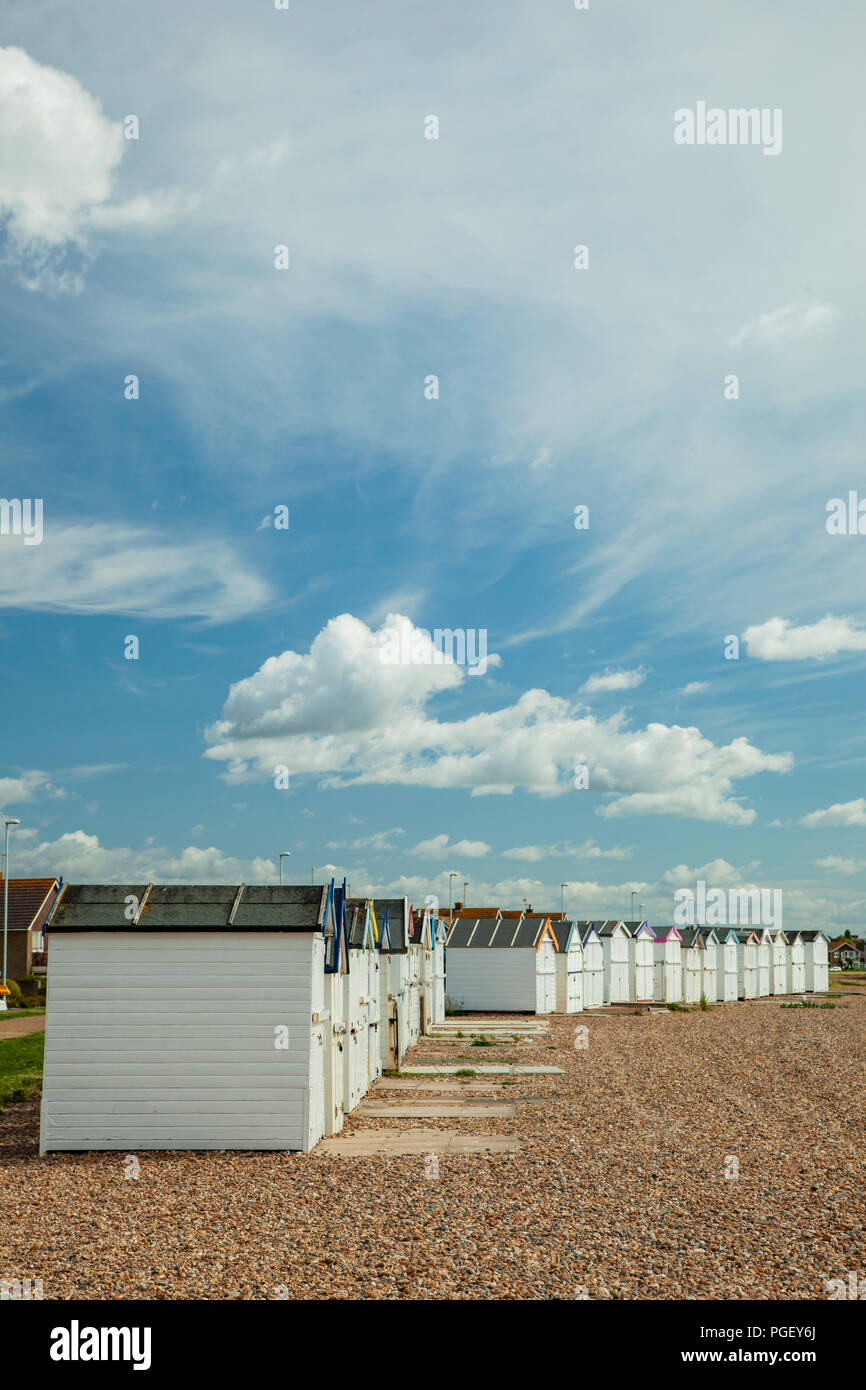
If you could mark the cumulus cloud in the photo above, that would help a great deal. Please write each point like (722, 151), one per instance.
(118, 568)
(59, 156)
(841, 813)
(837, 864)
(792, 321)
(694, 687)
(337, 712)
(780, 640)
(25, 786)
(82, 858)
(438, 844)
(613, 680)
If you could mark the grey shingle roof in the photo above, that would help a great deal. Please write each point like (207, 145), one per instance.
(190, 907)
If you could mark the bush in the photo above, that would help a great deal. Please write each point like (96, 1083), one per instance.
(14, 995)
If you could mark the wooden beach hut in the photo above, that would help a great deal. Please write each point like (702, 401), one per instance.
(640, 961)
(667, 961)
(728, 962)
(569, 967)
(185, 1017)
(692, 951)
(497, 964)
(593, 966)
(816, 961)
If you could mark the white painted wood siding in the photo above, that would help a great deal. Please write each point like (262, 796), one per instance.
(163, 1040)
(492, 978)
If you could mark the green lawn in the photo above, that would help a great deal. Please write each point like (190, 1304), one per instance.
(6, 1014)
(20, 1067)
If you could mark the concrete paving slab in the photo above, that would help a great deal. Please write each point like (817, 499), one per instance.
(421, 1111)
(445, 1069)
(366, 1143)
(418, 1083)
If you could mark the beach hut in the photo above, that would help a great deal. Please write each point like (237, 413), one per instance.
(692, 952)
(593, 966)
(497, 964)
(336, 955)
(615, 939)
(423, 933)
(640, 961)
(796, 963)
(712, 951)
(728, 964)
(569, 967)
(185, 1017)
(361, 941)
(747, 963)
(393, 917)
(765, 961)
(816, 961)
(440, 935)
(779, 953)
(667, 963)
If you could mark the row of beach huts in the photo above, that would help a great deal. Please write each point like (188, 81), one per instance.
(257, 1017)
(547, 964)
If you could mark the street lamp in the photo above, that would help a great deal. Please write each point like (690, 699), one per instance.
(465, 890)
(562, 888)
(633, 896)
(12, 821)
(452, 875)
(286, 854)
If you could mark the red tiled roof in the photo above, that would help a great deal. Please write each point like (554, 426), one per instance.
(28, 898)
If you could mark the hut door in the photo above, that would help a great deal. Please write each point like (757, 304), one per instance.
(393, 1039)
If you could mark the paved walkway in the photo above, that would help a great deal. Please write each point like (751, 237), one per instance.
(20, 1027)
(364, 1143)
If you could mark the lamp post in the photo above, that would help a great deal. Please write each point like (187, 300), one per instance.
(286, 854)
(465, 890)
(451, 876)
(633, 896)
(562, 888)
(12, 821)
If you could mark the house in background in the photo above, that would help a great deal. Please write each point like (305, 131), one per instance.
(30, 902)
(847, 953)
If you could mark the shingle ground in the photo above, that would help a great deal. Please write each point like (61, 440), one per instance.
(619, 1188)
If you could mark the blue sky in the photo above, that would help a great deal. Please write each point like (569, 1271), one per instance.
(557, 387)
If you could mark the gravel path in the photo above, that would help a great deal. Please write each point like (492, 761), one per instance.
(619, 1189)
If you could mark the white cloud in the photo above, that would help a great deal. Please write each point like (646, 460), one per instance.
(779, 640)
(59, 157)
(435, 847)
(381, 841)
(25, 786)
(841, 813)
(792, 321)
(718, 872)
(613, 680)
(694, 687)
(837, 864)
(339, 713)
(588, 850)
(108, 568)
(80, 857)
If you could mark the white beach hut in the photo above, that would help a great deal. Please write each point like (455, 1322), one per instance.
(615, 942)
(440, 935)
(816, 961)
(779, 952)
(357, 1044)
(185, 1017)
(747, 963)
(593, 966)
(692, 951)
(728, 964)
(668, 977)
(392, 917)
(711, 978)
(336, 969)
(640, 961)
(796, 963)
(497, 964)
(765, 962)
(569, 967)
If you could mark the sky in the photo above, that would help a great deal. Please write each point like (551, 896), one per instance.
(426, 392)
